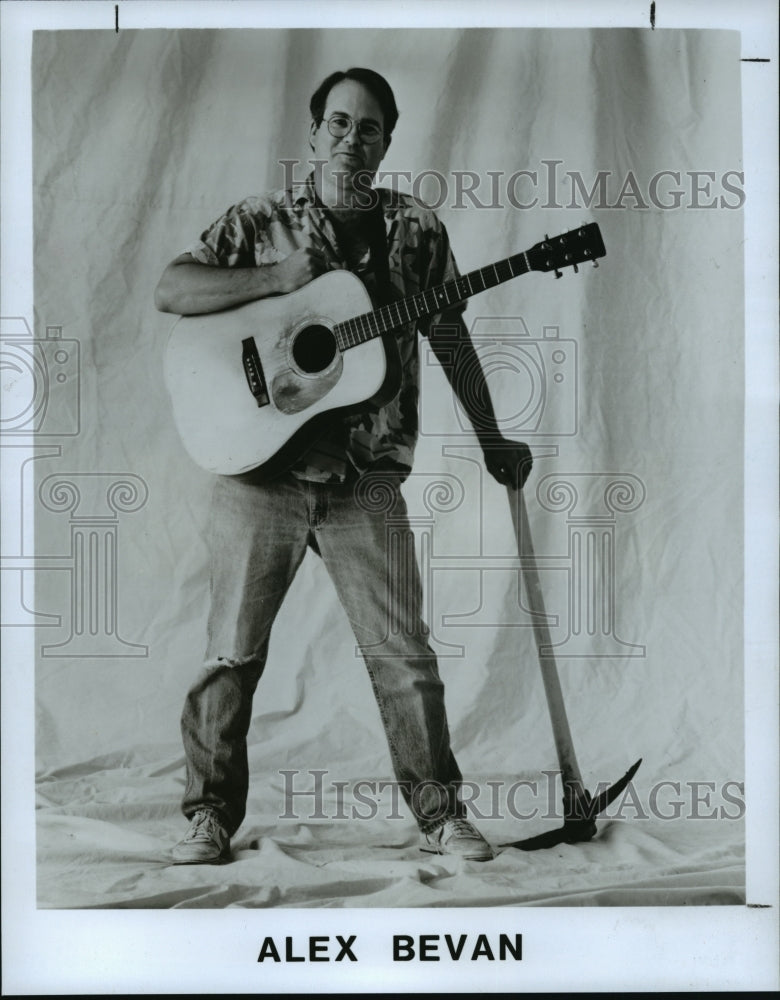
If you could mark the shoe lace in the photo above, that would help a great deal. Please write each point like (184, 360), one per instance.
(205, 826)
(460, 826)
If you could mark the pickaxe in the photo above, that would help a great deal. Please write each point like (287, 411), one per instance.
(580, 809)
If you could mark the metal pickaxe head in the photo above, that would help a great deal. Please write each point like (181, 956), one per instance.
(580, 810)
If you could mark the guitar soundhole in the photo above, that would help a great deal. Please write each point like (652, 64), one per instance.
(314, 349)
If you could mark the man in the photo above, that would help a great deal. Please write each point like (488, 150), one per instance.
(259, 532)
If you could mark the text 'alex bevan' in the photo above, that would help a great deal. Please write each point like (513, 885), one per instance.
(405, 948)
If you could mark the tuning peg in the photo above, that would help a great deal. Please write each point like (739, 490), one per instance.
(558, 273)
(576, 269)
(595, 263)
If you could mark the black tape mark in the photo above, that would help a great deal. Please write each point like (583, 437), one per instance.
(652, 15)
(755, 60)
(116, 17)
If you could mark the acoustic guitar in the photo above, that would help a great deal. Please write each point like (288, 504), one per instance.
(250, 386)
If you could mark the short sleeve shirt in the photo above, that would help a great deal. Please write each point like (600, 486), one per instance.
(265, 229)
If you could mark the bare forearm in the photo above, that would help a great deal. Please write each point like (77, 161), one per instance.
(190, 288)
(187, 287)
(509, 462)
(461, 365)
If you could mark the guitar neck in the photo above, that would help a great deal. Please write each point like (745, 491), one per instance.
(373, 324)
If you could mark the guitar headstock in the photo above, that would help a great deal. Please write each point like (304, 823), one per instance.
(568, 250)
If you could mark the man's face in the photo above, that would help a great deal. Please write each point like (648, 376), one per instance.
(346, 156)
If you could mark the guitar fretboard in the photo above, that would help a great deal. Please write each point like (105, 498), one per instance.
(365, 327)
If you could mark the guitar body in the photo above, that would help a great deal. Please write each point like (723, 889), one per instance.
(250, 387)
(301, 371)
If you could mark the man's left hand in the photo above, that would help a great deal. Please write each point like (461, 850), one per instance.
(509, 462)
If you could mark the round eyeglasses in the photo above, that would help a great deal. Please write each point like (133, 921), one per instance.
(340, 125)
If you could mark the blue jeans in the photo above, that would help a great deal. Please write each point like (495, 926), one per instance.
(258, 538)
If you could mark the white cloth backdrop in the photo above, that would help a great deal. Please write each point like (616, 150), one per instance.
(143, 138)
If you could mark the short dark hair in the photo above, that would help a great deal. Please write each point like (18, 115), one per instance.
(372, 81)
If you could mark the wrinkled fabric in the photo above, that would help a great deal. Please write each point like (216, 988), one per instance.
(626, 381)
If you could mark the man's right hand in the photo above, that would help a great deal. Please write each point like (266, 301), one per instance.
(301, 267)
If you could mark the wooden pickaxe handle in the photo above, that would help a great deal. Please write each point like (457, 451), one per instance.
(574, 791)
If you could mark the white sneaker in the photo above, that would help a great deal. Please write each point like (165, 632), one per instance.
(206, 843)
(457, 836)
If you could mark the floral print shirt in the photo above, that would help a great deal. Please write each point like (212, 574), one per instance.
(265, 229)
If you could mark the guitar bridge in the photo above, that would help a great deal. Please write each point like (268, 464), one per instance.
(253, 370)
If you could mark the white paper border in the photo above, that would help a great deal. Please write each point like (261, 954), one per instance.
(719, 948)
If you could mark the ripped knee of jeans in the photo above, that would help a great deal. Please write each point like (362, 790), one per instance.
(215, 662)
(247, 670)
